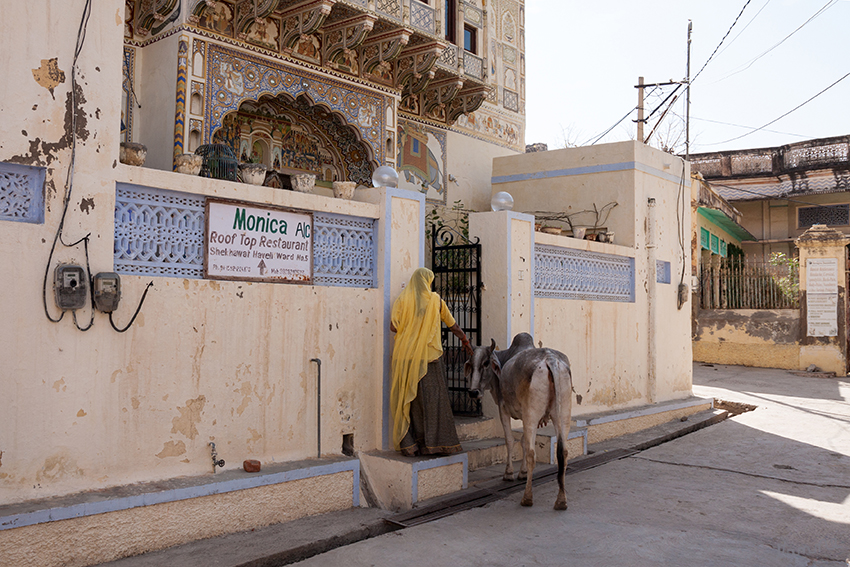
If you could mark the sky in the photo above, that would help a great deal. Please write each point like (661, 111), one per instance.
(584, 57)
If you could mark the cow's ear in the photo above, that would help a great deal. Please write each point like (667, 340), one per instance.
(467, 369)
(496, 365)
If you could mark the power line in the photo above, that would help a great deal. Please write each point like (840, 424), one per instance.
(750, 63)
(612, 127)
(781, 117)
(731, 41)
(721, 41)
(774, 197)
(741, 126)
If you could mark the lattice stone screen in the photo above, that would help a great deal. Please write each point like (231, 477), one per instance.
(422, 17)
(21, 193)
(343, 250)
(160, 232)
(565, 273)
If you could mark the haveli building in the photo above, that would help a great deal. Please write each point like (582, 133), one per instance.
(331, 87)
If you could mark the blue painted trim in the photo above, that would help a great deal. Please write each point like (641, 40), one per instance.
(510, 290)
(644, 411)
(178, 494)
(417, 466)
(591, 169)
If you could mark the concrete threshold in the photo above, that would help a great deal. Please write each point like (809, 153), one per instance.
(298, 540)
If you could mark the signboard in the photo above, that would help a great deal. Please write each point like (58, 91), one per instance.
(821, 275)
(822, 297)
(248, 242)
(822, 315)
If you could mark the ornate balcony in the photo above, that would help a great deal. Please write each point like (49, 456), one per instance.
(393, 43)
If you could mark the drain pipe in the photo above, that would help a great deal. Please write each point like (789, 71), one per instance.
(318, 362)
(652, 277)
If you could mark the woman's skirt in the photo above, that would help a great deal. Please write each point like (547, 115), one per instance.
(432, 425)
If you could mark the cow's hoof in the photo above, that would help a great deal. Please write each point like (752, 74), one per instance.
(508, 477)
(560, 505)
(522, 476)
(526, 501)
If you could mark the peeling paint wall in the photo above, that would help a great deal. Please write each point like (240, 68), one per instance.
(205, 360)
(749, 337)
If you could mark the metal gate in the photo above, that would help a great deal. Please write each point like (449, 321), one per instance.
(456, 263)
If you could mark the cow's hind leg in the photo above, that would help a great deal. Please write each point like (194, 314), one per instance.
(509, 444)
(563, 416)
(529, 432)
(561, 500)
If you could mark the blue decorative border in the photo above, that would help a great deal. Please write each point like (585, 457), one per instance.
(604, 168)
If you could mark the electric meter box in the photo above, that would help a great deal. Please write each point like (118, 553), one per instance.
(107, 291)
(69, 285)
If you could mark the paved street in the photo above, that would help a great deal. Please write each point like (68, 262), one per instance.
(767, 487)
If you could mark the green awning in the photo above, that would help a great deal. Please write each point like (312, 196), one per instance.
(720, 219)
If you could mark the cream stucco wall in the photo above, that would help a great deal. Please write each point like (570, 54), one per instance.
(623, 354)
(220, 361)
(469, 161)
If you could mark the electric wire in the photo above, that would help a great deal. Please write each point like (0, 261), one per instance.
(69, 186)
(69, 179)
(138, 308)
(750, 63)
(774, 197)
(740, 33)
(781, 117)
(605, 133)
(747, 3)
(741, 126)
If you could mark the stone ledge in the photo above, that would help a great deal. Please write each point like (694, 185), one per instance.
(172, 490)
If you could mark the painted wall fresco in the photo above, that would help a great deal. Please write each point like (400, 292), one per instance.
(128, 94)
(421, 160)
(234, 77)
(295, 136)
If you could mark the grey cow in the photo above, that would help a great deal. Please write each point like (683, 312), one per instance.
(531, 384)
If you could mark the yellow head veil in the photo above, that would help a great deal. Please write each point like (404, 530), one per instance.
(416, 317)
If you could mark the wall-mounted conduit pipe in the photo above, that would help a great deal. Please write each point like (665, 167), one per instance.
(318, 362)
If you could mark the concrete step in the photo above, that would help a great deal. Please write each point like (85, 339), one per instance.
(398, 483)
(486, 452)
(475, 428)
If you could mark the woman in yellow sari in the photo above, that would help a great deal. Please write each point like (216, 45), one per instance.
(419, 399)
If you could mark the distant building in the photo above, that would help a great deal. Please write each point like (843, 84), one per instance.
(781, 192)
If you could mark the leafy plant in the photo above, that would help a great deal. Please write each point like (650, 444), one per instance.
(790, 284)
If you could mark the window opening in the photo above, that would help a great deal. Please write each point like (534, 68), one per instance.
(470, 39)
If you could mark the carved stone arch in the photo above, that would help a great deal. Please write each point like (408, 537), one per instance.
(233, 77)
(301, 136)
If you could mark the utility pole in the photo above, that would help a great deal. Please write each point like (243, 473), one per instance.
(640, 119)
(688, 98)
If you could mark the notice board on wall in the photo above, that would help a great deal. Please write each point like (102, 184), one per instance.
(822, 297)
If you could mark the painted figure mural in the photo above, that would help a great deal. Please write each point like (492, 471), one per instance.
(293, 137)
(421, 159)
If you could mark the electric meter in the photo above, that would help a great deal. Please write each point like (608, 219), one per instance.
(107, 291)
(69, 285)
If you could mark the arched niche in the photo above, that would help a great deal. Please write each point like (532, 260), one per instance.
(297, 136)
(234, 78)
